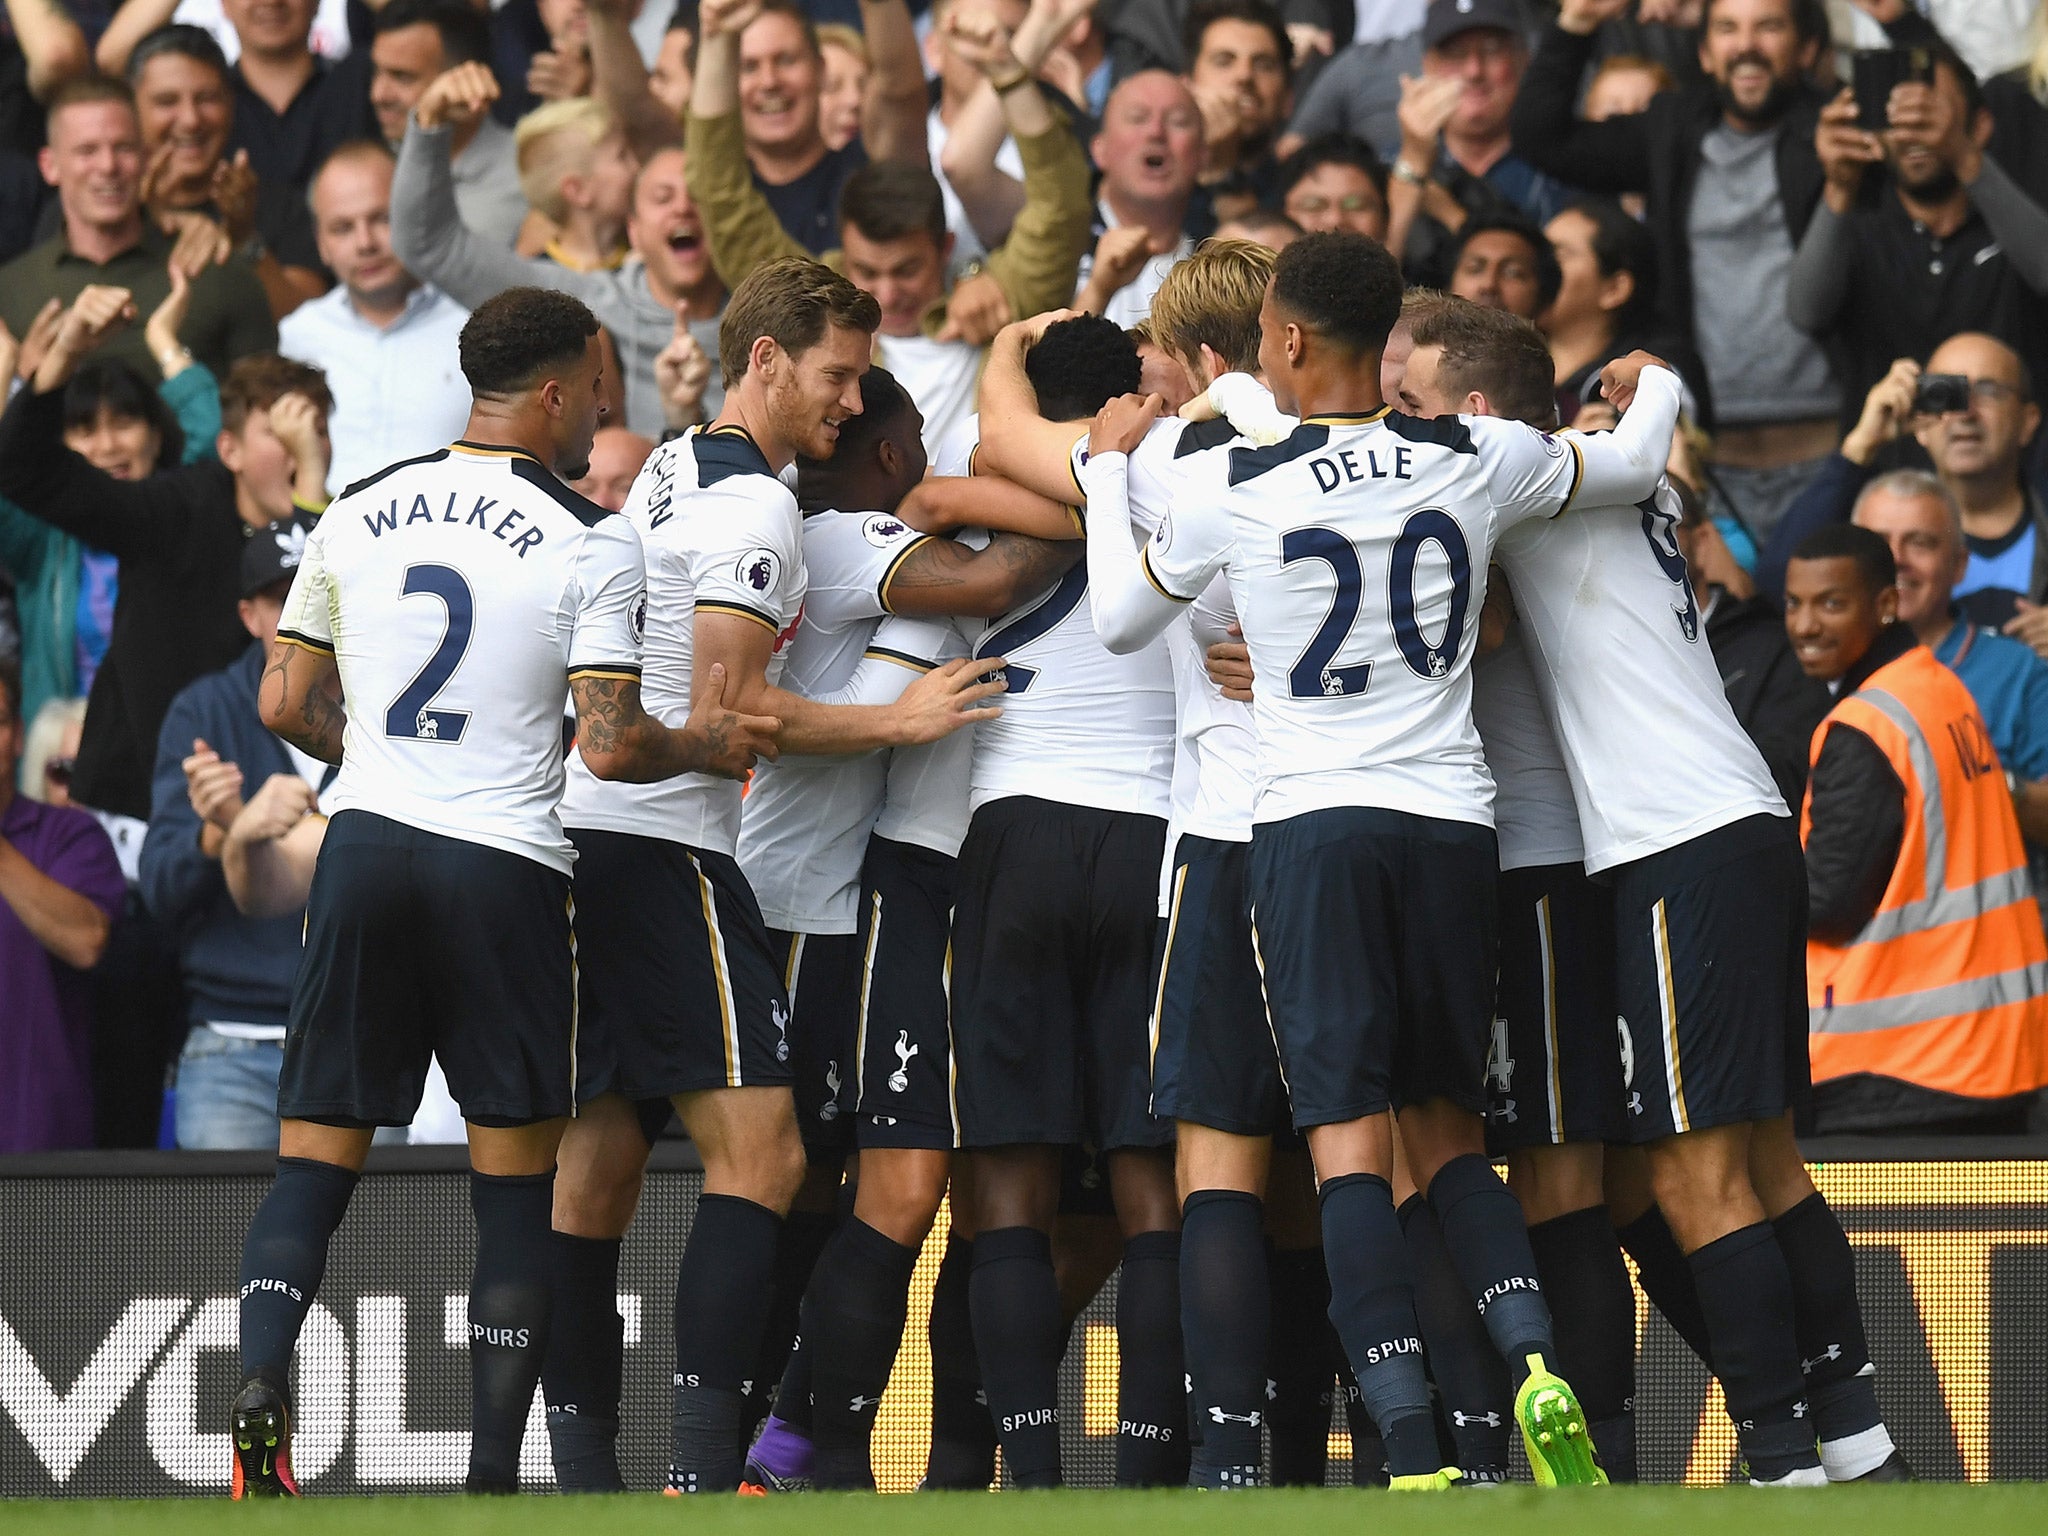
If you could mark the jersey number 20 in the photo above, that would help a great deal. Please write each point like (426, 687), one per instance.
(411, 716)
(1315, 674)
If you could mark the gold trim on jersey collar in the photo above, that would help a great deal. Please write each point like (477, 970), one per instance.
(1345, 418)
(490, 450)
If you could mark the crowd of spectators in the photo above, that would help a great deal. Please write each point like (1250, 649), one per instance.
(1832, 218)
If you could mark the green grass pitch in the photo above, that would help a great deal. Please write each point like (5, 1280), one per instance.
(1927, 1510)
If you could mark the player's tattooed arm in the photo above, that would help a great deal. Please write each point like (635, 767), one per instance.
(942, 578)
(300, 700)
(620, 740)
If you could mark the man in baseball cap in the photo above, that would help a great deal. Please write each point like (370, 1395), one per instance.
(225, 794)
(1455, 146)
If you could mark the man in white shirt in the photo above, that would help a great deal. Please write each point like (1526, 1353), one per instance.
(453, 601)
(386, 341)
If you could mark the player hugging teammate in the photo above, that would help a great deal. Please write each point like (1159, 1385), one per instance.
(1196, 844)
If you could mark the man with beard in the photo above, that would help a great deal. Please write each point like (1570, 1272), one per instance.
(386, 341)
(1950, 242)
(1731, 181)
(1238, 54)
(666, 280)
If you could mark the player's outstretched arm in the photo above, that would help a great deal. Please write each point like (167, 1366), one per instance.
(620, 740)
(942, 701)
(942, 503)
(1128, 605)
(946, 579)
(300, 699)
(1018, 443)
(1622, 467)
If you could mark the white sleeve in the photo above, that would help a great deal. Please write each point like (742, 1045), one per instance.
(851, 558)
(754, 559)
(1528, 473)
(611, 602)
(1248, 406)
(1129, 607)
(1622, 467)
(308, 617)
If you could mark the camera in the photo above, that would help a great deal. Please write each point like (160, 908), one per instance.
(1939, 394)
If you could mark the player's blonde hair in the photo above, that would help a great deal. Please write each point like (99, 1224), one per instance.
(1213, 297)
(555, 141)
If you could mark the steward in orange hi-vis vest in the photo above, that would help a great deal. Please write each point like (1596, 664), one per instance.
(1945, 986)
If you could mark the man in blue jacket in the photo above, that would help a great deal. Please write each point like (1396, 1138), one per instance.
(238, 970)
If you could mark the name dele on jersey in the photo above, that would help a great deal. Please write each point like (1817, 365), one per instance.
(381, 521)
(1342, 468)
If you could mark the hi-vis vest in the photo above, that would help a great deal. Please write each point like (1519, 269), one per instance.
(1946, 987)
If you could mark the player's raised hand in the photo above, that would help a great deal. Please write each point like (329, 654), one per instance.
(456, 97)
(682, 371)
(1229, 665)
(948, 697)
(1122, 423)
(1619, 378)
(731, 742)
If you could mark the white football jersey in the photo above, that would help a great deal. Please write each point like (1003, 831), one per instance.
(722, 535)
(1655, 753)
(1534, 814)
(926, 800)
(805, 822)
(941, 376)
(458, 593)
(1080, 725)
(1357, 551)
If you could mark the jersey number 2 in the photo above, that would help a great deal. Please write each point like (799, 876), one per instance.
(411, 717)
(1313, 675)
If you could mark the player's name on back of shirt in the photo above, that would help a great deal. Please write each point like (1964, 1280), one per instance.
(484, 514)
(1342, 467)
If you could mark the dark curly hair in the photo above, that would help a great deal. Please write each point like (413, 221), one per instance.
(1080, 365)
(509, 342)
(1341, 285)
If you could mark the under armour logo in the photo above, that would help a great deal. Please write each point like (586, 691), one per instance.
(1799, 1409)
(1504, 1112)
(1461, 1418)
(899, 1080)
(860, 1403)
(1272, 1390)
(1218, 1416)
(1635, 1103)
(1832, 1352)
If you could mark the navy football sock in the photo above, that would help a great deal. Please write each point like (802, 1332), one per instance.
(963, 1453)
(1746, 1295)
(1580, 1263)
(723, 1287)
(283, 1258)
(1372, 1304)
(1302, 1360)
(510, 1297)
(1016, 1308)
(1667, 1279)
(860, 1294)
(1152, 1404)
(1841, 1383)
(582, 1373)
(803, 1237)
(1224, 1310)
(1478, 1401)
(1489, 1244)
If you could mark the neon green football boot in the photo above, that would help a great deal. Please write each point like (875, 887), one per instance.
(1554, 1431)
(1426, 1482)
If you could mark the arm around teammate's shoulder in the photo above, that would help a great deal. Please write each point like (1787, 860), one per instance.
(1620, 468)
(620, 740)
